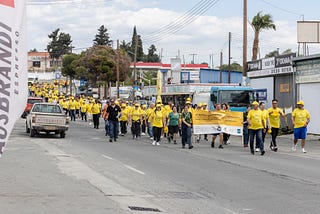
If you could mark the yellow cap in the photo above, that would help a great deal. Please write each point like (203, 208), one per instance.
(188, 102)
(204, 104)
(300, 102)
(136, 104)
(200, 104)
(123, 105)
(158, 105)
(255, 103)
(188, 99)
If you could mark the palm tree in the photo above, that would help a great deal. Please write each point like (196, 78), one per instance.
(260, 22)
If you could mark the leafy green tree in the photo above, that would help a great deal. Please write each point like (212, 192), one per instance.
(272, 54)
(98, 63)
(137, 38)
(102, 37)
(33, 50)
(59, 45)
(152, 56)
(125, 46)
(260, 22)
(69, 66)
(233, 67)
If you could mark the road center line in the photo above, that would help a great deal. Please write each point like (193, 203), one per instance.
(125, 165)
(134, 169)
(107, 157)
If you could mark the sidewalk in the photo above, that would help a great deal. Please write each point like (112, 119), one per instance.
(30, 182)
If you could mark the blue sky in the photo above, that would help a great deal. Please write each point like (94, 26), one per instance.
(206, 35)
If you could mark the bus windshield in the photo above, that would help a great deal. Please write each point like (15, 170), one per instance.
(236, 98)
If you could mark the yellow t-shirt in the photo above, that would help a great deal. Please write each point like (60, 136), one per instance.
(89, 108)
(274, 117)
(300, 117)
(157, 117)
(136, 114)
(124, 114)
(64, 104)
(83, 107)
(149, 112)
(72, 105)
(96, 108)
(255, 117)
(78, 105)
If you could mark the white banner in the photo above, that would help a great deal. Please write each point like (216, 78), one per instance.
(13, 65)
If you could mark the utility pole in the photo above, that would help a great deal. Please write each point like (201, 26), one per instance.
(245, 39)
(229, 58)
(134, 64)
(193, 57)
(118, 69)
(221, 61)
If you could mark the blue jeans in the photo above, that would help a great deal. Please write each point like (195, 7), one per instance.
(107, 127)
(150, 131)
(113, 129)
(186, 135)
(258, 134)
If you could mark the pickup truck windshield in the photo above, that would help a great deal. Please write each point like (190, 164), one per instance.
(43, 108)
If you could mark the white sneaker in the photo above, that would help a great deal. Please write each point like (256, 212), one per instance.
(151, 138)
(304, 151)
(158, 144)
(257, 149)
(294, 148)
(154, 143)
(143, 134)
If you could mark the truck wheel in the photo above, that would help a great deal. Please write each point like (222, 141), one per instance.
(32, 132)
(27, 129)
(62, 134)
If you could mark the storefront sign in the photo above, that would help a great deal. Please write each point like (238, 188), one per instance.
(308, 71)
(284, 60)
(271, 71)
(254, 65)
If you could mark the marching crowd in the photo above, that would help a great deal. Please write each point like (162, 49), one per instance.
(159, 121)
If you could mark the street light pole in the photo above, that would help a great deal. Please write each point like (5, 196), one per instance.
(134, 64)
(245, 39)
(118, 69)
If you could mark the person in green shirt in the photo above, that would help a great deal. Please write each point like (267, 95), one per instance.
(186, 124)
(173, 125)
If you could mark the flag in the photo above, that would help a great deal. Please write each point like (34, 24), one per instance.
(13, 65)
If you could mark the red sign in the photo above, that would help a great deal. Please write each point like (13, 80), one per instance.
(9, 3)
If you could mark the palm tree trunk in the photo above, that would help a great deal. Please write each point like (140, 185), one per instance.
(255, 47)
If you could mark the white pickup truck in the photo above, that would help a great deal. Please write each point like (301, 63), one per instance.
(47, 117)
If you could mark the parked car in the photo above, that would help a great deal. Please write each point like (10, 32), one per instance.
(47, 118)
(30, 102)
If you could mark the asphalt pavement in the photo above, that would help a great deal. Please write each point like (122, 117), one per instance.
(85, 173)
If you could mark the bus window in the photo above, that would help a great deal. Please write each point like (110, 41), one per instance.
(214, 97)
(236, 98)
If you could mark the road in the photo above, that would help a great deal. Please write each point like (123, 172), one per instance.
(84, 173)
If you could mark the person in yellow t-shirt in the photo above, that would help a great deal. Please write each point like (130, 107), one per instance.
(256, 125)
(265, 114)
(275, 114)
(78, 105)
(300, 120)
(96, 110)
(123, 119)
(72, 109)
(89, 111)
(149, 111)
(65, 105)
(135, 118)
(158, 120)
(83, 109)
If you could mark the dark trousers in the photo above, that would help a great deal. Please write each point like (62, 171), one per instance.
(263, 137)
(258, 134)
(157, 133)
(245, 135)
(225, 137)
(95, 118)
(274, 134)
(123, 127)
(186, 135)
(72, 114)
(143, 126)
(135, 128)
(84, 116)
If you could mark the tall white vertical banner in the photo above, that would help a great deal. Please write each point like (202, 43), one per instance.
(13, 65)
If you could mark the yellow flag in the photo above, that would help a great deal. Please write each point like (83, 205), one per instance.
(159, 86)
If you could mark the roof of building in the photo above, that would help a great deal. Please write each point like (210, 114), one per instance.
(159, 65)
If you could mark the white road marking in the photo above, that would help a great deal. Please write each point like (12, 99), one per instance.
(125, 165)
(107, 157)
(134, 169)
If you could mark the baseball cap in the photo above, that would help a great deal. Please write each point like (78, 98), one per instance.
(255, 103)
(300, 102)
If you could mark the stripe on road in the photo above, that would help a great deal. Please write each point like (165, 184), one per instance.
(125, 165)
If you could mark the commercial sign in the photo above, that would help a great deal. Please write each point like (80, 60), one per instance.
(194, 75)
(271, 66)
(211, 122)
(308, 71)
(13, 65)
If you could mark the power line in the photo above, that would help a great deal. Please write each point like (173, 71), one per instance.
(183, 25)
(66, 2)
(283, 9)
